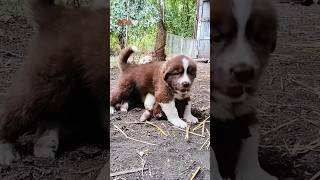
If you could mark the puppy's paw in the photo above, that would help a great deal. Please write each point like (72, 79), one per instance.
(44, 152)
(47, 145)
(158, 115)
(178, 123)
(253, 175)
(112, 110)
(124, 107)
(191, 119)
(7, 155)
(145, 116)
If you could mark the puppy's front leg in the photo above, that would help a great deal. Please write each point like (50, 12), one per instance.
(187, 114)
(248, 167)
(46, 145)
(172, 114)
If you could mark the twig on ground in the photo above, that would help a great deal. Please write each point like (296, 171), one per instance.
(86, 171)
(205, 143)
(302, 149)
(127, 172)
(156, 126)
(189, 132)
(203, 127)
(309, 88)
(195, 173)
(279, 127)
(143, 163)
(133, 138)
(200, 124)
(316, 176)
(14, 176)
(11, 53)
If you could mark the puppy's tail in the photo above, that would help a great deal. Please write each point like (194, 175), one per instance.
(41, 12)
(124, 56)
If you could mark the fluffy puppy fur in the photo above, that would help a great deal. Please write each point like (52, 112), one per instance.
(157, 83)
(61, 88)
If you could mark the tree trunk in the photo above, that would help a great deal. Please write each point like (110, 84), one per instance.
(122, 39)
(159, 48)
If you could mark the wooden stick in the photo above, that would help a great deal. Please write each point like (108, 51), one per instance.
(85, 171)
(279, 127)
(189, 132)
(204, 143)
(316, 176)
(133, 138)
(203, 127)
(199, 125)
(127, 172)
(156, 126)
(11, 53)
(195, 173)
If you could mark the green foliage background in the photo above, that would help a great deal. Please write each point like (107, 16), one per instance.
(179, 20)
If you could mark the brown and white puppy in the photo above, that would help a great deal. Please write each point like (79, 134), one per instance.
(60, 89)
(160, 83)
(244, 35)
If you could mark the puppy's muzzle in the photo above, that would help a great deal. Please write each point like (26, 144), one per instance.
(242, 73)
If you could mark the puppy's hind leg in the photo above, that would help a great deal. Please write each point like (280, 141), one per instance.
(148, 105)
(122, 91)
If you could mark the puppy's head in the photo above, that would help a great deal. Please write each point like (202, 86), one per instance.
(179, 73)
(244, 34)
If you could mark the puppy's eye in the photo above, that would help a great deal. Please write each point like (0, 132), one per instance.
(176, 73)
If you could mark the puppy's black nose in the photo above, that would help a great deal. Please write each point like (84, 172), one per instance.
(185, 84)
(242, 73)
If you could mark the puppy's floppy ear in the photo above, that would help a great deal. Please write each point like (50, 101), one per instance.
(164, 71)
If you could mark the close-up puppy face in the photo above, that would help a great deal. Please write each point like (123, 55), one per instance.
(244, 35)
(179, 74)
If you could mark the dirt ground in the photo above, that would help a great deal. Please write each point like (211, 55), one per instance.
(289, 110)
(289, 104)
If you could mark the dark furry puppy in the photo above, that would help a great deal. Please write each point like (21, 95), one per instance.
(61, 89)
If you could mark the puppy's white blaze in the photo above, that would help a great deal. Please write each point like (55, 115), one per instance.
(248, 166)
(241, 11)
(242, 52)
(6, 153)
(149, 101)
(172, 114)
(185, 77)
(47, 144)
